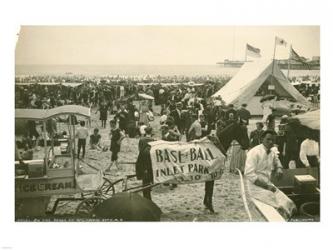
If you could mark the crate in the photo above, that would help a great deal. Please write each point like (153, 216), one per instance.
(305, 184)
(36, 168)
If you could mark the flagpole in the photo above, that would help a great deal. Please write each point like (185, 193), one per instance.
(273, 61)
(289, 61)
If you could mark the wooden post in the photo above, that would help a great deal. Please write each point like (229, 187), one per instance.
(45, 145)
(72, 140)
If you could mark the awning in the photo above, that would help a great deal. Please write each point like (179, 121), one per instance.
(44, 114)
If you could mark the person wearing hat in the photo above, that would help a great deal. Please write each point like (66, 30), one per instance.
(195, 131)
(244, 115)
(143, 142)
(103, 111)
(171, 133)
(267, 108)
(116, 137)
(255, 135)
(232, 111)
(290, 145)
(270, 122)
(176, 115)
(122, 116)
(95, 140)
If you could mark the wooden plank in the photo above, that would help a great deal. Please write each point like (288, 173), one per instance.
(268, 211)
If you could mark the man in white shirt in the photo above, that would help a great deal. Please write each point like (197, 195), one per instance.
(81, 133)
(309, 153)
(261, 163)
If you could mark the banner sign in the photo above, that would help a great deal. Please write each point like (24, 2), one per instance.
(186, 162)
(34, 187)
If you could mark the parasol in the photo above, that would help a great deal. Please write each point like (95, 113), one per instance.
(310, 119)
(128, 207)
(145, 96)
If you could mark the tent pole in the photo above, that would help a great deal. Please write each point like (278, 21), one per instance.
(245, 53)
(289, 61)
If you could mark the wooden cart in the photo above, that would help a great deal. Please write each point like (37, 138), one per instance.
(57, 172)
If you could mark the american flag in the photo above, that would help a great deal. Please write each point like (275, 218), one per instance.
(294, 56)
(252, 51)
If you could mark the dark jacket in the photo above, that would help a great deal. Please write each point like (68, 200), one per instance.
(176, 117)
(143, 142)
(244, 116)
(255, 137)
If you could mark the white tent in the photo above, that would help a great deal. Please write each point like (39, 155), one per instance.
(243, 87)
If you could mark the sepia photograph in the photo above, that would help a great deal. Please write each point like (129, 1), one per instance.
(167, 123)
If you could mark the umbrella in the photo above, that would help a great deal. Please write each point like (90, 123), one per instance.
(280, 111)
(145, 96)
(310, 119)
(128, 207)
(72, 84)
(267, 97)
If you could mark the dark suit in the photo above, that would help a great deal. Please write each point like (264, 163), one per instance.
(255, 137)
(231, 111)
(176, 115)
(244, 116)
(143, 142)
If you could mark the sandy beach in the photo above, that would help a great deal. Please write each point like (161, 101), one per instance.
(182, 204)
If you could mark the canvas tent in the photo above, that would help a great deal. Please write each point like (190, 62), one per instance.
(253, 76)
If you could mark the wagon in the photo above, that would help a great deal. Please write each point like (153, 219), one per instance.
(55, 171)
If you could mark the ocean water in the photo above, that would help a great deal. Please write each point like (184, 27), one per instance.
(139, 70)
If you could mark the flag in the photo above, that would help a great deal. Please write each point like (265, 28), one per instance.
(280, 41)
(294, 56)
(252, 51)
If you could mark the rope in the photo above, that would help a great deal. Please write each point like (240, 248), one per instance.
(243, 194)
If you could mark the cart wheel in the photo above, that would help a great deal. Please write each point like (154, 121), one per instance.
(107, 188)
(85, 208)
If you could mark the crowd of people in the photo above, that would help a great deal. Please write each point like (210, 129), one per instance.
(309, 87)
(51, 91)
(186, 113)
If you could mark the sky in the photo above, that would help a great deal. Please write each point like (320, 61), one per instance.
(158, 45)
